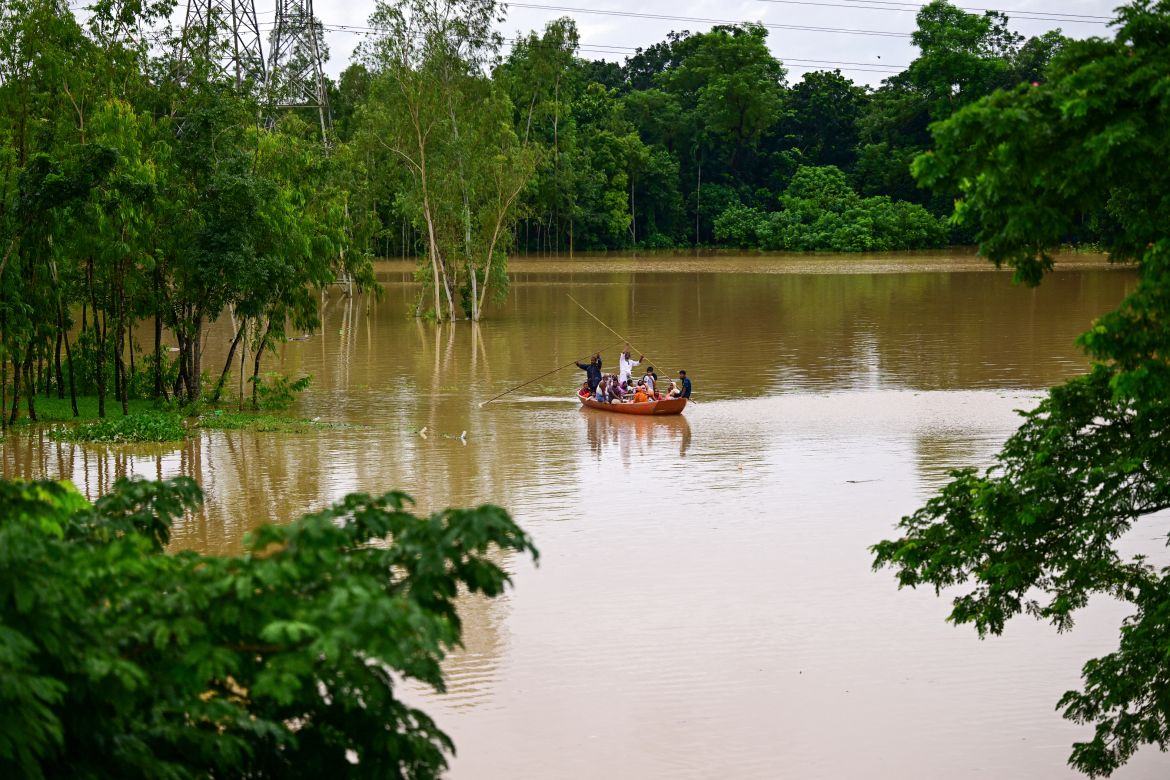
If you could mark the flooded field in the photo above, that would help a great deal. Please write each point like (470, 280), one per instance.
(704, 606)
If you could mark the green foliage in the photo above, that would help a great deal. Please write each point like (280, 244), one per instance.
(819, 211)
(740, 226)
(221, 420)
(138, 427)
(822, 116)
(113, 206)
(275, 391)
(119, 660)
(446, 135)
(1037, 533)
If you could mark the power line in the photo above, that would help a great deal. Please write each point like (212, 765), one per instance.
(797, 63)
(702, 20)
(1057, 16)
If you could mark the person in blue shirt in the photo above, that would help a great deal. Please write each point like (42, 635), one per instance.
(686, 385)
(592, 371)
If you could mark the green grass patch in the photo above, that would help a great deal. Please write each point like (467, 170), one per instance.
(139, 427)
(59, 409)
(149, 421)
(220, 420)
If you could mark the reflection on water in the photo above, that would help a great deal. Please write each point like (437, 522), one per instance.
(634, 439)
(704, 605)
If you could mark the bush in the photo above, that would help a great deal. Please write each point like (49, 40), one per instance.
(739, 226)
(139, 382)
(820, 212)
(145, 427)
(275, 391)
(119, 660)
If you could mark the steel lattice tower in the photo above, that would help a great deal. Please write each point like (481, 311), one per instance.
(297, 79)
(227, 34)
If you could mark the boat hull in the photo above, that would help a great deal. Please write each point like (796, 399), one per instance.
(663, 407)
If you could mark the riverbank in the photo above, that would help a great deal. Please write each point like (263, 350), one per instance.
(706, 261)
(151, 422)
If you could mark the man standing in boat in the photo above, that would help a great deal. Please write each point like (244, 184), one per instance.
(592, 371)
(626, 365)
(686, 385)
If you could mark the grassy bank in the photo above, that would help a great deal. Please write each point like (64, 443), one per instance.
(152, 422)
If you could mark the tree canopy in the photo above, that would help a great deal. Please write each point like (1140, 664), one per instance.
(1037, 533)
(120, 660)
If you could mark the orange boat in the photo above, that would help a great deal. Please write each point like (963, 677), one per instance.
(664, 406)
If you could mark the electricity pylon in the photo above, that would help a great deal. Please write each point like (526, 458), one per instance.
(227, 34)
(296, 76)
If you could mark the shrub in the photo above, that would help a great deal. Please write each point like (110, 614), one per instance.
(144, 427)
(739, 226)
(119, 660)
(820, 212)
(276, 391)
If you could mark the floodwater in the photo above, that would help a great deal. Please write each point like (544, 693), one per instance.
(704, 605)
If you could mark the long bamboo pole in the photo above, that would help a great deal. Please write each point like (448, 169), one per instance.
(614, 332)
(542, 376)
(624, 340)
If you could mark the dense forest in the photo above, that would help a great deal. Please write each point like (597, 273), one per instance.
(144, 186)
(702, 139)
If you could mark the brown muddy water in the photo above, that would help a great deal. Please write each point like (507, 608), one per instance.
(704, 606)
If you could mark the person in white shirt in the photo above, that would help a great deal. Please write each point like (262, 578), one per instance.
(651, 379)
(626, 365)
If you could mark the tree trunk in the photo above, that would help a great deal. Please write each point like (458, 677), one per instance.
(119, 366)
(99, 342)
(256, 366)
(633, 217)
(30, 388)
(181, 374)
(240, 398)
(15, 386)
(158, 367)
(698, 201)
(57, 356)
(227, 366)
(69, 361)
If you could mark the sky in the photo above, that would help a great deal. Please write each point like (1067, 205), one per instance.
(881, 48)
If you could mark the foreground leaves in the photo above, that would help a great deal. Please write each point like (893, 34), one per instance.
(119, 660)
(1037, 532)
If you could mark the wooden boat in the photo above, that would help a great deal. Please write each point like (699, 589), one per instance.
(665, 406)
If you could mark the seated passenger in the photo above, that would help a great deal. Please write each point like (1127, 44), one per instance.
(674, 392)
(651, 380)
(640, 396)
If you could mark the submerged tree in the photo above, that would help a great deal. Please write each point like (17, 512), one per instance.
(1037, 533)
(435, 110)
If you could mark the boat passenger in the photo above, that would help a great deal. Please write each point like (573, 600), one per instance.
(617, 394)
(651, 380)
(592, 371)
(640, 396)
(626, 365)
(674, 391)
(599, 392)
(686, 384)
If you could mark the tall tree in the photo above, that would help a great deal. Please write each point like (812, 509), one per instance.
(823, 109)
(1037, 533)
(431, 103)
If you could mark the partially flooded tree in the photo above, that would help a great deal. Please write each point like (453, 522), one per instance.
(435, 112)
(1037, 533)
